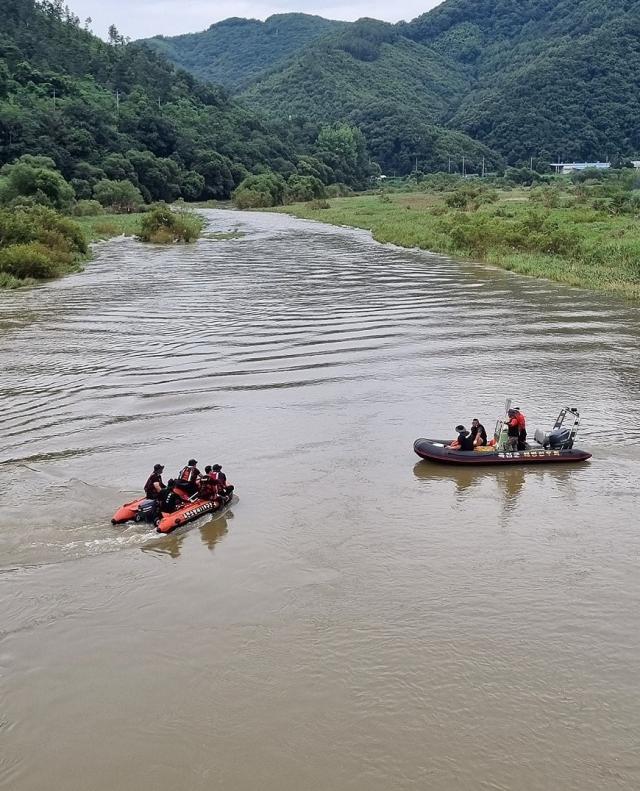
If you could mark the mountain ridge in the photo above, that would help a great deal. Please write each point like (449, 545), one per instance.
(524, 77)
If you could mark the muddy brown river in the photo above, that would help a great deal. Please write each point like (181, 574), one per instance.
(358, 620)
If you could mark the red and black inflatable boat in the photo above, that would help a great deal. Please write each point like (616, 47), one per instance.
(166, 522)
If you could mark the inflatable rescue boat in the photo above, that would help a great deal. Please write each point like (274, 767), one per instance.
(187, 511)
(555, 447)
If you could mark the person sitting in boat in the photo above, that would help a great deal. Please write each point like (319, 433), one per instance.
(188, 477)
(207, 487)
(522, 429)
(168, 500)
(478, 433)
(223, 489)
(463, 441)
(513, 430)
(154, 485)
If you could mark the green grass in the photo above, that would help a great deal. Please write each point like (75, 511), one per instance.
(106, 226)
(576, 245)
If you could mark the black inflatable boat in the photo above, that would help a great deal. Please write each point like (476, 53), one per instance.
(436, 450)
(555, 447)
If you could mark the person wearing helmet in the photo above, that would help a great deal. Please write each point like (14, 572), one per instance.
(188, 477)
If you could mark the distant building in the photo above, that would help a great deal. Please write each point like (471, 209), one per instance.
(571, 167)
(636, 163)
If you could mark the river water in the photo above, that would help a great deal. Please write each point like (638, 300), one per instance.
(357, 620)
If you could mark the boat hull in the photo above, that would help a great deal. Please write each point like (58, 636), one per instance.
(436, 450)
(126, 512)
(189, 512)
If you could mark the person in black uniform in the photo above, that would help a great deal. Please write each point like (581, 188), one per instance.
(154, 485)
(478, 433)
(463, 441)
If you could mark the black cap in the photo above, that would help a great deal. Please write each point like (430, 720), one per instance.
(192, 462)
(207, 468)
(460, 428)
(158, 467)
(216, 467)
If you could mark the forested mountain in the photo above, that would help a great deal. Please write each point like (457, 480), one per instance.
(235, 51)
(392, 88)
(120, 111)
(553, 78)
(542, 78)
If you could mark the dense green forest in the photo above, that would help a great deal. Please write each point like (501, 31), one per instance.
(235, 51)
(118, 112)
(527, 78)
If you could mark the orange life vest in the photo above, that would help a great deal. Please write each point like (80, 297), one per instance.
(188, 474)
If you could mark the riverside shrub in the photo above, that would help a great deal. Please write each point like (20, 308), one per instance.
(163, 226)
(38, 243)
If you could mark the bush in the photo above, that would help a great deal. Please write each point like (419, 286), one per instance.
(161, 225)
(38, 243)
(338, 190)
(457, 200)
(120, 196)
(319, 203)
(260, 191)
(87, 208)
(36, 178)
(32, 260)
(303, 188)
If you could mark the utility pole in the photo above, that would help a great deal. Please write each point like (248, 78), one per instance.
(54, 99)
(531, 164)
(482, 167)
(449, 164)
(416, 170)
(118, 103)
(463, 170)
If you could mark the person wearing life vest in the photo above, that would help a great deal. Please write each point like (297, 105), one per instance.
(513, 430)
(207, 488)
(188, 476)
(522, 429)
(219, 480)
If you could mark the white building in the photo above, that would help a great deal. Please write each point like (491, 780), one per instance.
(571, 167)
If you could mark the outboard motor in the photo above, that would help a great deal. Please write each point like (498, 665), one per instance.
(561, 436)
(146, 511)
(560, 439)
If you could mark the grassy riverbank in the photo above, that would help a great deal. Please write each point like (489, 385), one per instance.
(569, 241)
(37, 243)
(105, 226)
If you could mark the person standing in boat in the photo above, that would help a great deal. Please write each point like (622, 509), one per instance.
(188, 477)
(463, 441)
(522, 429)
(513, 430)
(478, 433)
